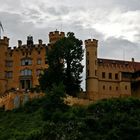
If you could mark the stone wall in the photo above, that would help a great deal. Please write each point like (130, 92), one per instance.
(16, 99)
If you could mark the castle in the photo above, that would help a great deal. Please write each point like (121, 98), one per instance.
(105, 78)
(22, 65)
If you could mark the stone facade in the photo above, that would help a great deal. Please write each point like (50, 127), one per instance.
(20, 68)
(21, 65)
(16, 99)
(107, 78)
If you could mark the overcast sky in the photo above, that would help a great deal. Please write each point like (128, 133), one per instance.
(115, 23)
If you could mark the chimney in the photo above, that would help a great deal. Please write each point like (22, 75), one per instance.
(133, 60)
(19, 43)
(40, 42)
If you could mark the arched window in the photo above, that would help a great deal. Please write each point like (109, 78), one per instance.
(26, 72)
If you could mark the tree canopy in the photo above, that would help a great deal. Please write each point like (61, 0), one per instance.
(64, 59)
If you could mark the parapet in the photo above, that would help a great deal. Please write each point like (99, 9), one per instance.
(4, 41)
(91, 42)
(56, 35)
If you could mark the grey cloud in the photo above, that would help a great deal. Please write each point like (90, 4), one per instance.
(62, 10)
(118, 48)
(46, 16)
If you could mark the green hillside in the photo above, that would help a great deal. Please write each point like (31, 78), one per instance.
(114, 119)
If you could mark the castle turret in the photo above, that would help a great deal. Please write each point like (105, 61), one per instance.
(54, 36)
(91, 68)
(4, 43)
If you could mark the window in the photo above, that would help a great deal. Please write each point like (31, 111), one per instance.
(9, 63)
(104, 87)
(87, 62)
(125, 87)
(39, 61)
(26, 72)
(26, 62)
(116, 76)
(88, 73)
(110, 76)
(116, 88)
(103, 74)
(110, 88)
(95, 72)
(9, 74)
(87, 53)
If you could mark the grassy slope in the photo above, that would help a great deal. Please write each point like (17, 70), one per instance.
(117, 119)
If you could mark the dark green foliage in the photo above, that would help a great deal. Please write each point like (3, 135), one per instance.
(64, 59)
(54, 104)
(113, 119)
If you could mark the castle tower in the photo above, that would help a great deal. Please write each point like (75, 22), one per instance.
(4, 43)
(91, 68)
(54, 36)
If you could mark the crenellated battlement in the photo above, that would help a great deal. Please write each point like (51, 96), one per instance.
(56, 35)
(91, 42)
(26, 49)
(4, 41)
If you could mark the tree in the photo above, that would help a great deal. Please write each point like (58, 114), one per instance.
(54, 105)
(54, 74)
(64, 59)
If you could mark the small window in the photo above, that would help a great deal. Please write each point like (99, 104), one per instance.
(9, 63)
(95, 72)
(9, 74)
(116, 88)
(103, 87)
(125, 87)
(110, 76)
(87, 62)
(116, 76)
(103, 74)
(110, 88)
(88, 72)
(39, 61)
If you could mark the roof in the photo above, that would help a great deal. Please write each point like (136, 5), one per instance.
(135, 65)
